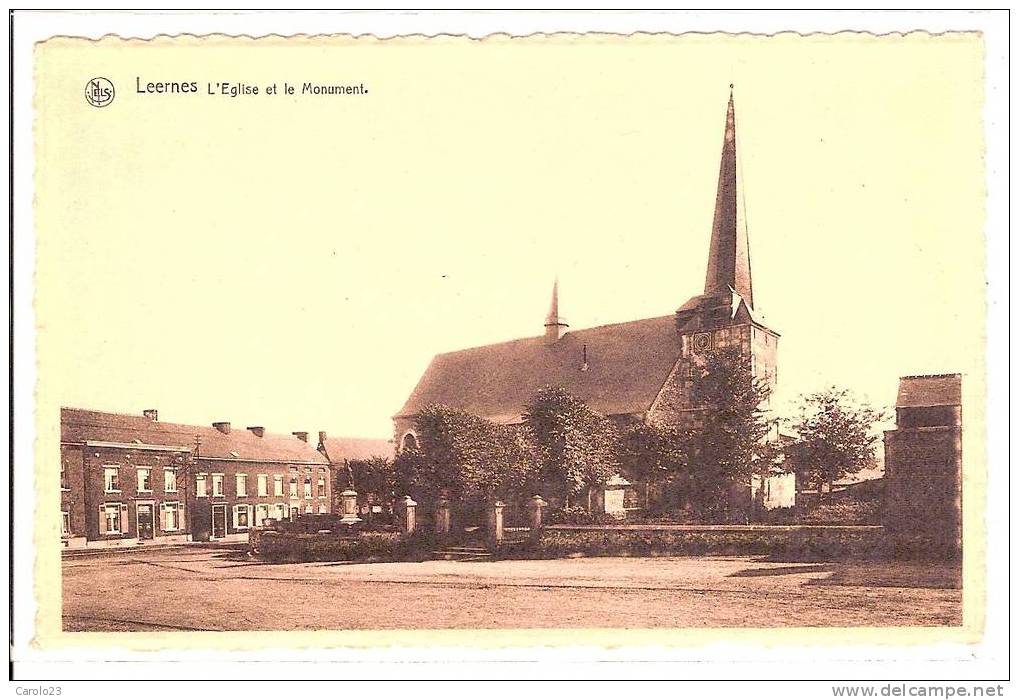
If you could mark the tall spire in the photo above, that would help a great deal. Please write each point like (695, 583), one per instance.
(555, 325)
(729, 256)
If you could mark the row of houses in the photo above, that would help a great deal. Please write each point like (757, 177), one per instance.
(128, 479)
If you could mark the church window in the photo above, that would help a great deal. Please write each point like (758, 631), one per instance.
(410, 442)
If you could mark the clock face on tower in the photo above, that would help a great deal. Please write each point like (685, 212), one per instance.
(701, 342)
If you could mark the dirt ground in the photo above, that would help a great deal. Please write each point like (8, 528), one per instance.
(203, 589)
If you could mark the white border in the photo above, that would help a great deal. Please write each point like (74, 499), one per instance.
(987, 660)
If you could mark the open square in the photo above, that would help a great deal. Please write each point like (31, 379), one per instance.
(192, 588)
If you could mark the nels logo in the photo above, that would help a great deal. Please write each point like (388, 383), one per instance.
(99, 92)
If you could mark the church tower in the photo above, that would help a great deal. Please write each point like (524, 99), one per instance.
(724, 315)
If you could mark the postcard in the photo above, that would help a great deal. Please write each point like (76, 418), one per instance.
(567, 338)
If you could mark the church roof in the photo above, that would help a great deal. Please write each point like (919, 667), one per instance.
(930, 390)
(627, 364)
(80, 425)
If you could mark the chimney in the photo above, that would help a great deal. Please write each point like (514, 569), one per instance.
(257, 430)
(301, 435)
(151, 413)
(222, 426)
(321, 437)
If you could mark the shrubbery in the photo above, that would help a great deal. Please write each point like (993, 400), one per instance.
(371, 546)
(578, 515)
(795, 545)
(844, 512)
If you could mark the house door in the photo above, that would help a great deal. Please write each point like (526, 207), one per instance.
(145, 521)
(294, 513)
(218, 522)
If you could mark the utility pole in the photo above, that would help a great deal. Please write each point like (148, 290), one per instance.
(191, 501)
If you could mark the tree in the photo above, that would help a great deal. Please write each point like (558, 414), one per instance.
(373, 476)
(575, 447)
(469, 458)
(836, 435)
(653, 454)
(726, 441)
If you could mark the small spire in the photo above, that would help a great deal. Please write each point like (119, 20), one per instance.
(555, 325)
(553, 309)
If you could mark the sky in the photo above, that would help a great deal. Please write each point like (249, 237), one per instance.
(295, 262)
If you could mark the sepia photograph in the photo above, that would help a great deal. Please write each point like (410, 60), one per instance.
(564, 337)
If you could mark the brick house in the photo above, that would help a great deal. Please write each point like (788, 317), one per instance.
(633, 371)
(120, 486)
(130, 479)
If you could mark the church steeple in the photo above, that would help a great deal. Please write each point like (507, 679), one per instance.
(555, 325)
(729, 256)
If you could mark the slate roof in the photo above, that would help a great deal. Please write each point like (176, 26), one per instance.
(80, 425)
(930, 390)
(627, 365)
(341, 448)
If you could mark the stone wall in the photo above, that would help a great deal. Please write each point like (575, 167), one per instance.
(923, 483)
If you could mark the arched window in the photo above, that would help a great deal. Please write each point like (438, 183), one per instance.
(410, 442)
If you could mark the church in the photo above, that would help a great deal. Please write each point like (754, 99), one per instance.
(634, 371)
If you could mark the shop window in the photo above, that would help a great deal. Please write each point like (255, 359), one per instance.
(112, 517)
(242, 516)
(171, 517)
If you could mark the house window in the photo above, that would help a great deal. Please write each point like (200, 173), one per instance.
(169, 480)
(110, 520)
(65, 524)
(261, 513)
(323, 509)
(307, 488)
(63, 478)
(201, 486)
(277, 485)
(171, 516)
(263, 485)
(293, 487)
(242, 484)
(309, 509)
(111, 479)
(321, 488)
(144, 479)
(281, 511)
(217, 484)
(242, 515)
